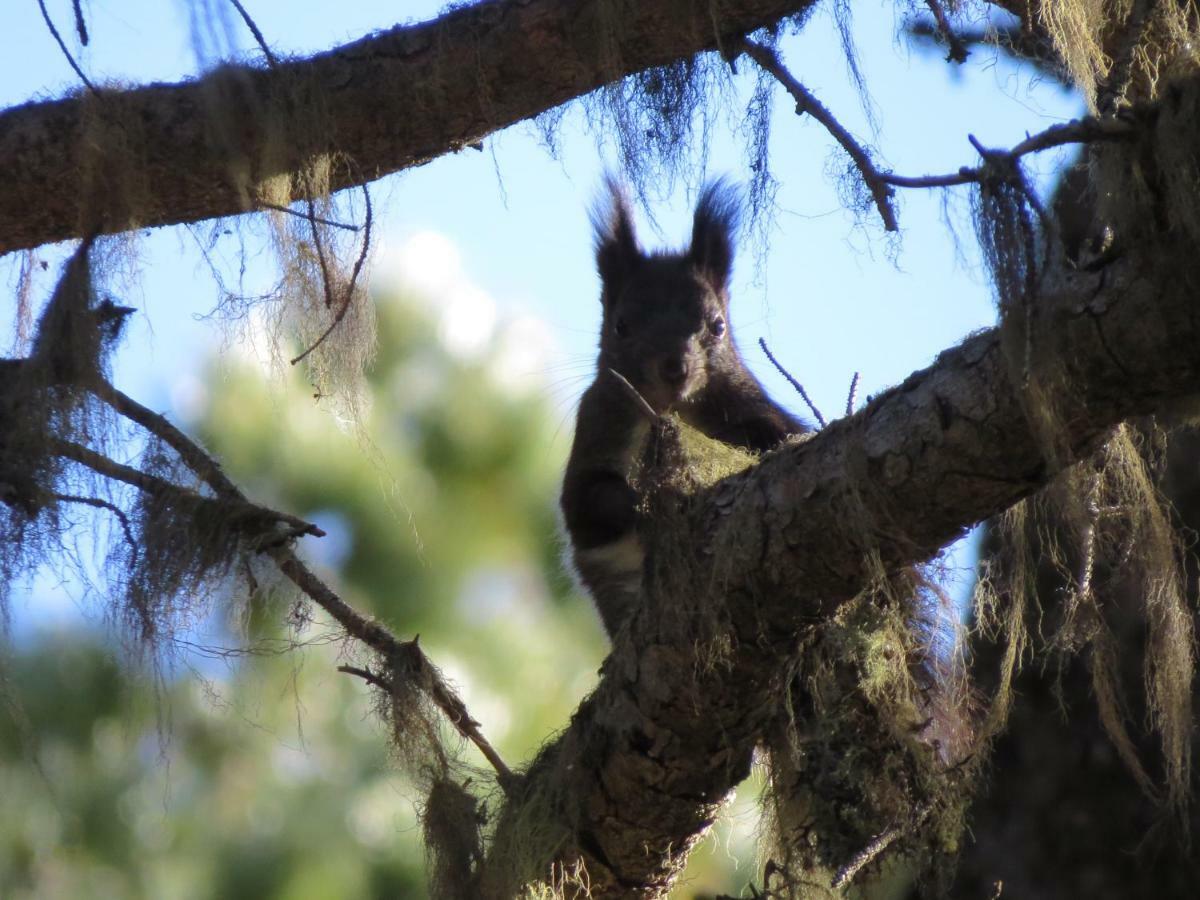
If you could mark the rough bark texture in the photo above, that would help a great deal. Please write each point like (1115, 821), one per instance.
(169, 153)
(1061, 816)
(643, 766)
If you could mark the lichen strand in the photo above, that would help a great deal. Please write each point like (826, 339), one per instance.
(1140, 43)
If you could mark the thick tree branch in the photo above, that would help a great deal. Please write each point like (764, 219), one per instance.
(169, 153)
(653, 752)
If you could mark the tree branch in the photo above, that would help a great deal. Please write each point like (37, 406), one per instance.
(405, 655)
(69, 165)
(806, 102)
(1078, 131)
(651, 754)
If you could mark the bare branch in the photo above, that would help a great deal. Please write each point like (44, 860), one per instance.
(769, 60)
(793, 382)
(254, 30)
(193, 456)
(1078, 131)
(291, 212)
(63, 46)
(852, 395)
(80, 24)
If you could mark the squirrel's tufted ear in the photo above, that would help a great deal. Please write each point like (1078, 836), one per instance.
(617, 251)
(717, 216)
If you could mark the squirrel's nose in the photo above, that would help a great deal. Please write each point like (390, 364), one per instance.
(673, 371)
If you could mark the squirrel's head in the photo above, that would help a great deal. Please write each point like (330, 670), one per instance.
(666, 315)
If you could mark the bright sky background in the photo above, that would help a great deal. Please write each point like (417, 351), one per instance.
(507, 229)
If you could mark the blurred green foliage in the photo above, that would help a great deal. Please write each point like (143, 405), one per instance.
(266, 775)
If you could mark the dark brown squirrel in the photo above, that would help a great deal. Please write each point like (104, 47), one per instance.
(665, 330)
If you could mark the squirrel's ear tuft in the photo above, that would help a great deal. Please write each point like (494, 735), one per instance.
(717, 217)
(617, 251)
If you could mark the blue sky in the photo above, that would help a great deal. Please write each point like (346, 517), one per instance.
(833, 296)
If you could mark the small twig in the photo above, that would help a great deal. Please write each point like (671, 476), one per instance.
(369, 677)
(634, 394)
(449, 703)
(63, 47)
(806, 102)
(885, 839)
(112, 508)
(382, 641)
(852, 396)
(254, 30)
(332, 223)
(349, 294)
(958, 51)
(1077, 131)
(445, 700)
(794, 383)
(80, 24)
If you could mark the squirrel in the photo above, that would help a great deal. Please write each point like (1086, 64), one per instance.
(665, 331)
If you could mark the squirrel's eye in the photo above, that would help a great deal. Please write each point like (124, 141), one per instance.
(717, 326)
(621, 328)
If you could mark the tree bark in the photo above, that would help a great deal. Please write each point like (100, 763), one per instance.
(650, 756)
(169, 153)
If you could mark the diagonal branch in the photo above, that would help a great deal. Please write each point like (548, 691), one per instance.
(652, 753)
(806, 102)
(69, 164)
(362, 628)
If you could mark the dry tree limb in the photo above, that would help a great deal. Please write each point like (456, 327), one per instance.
(958, 51)
(806, 102)
(1078, 131)
(793, 382)
(445, 699)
